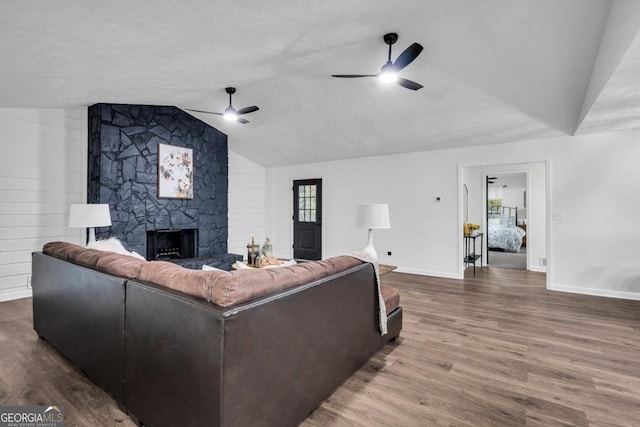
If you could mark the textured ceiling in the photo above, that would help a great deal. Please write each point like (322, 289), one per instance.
(493, 71)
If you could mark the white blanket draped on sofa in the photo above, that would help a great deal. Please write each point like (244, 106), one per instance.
(382, 310)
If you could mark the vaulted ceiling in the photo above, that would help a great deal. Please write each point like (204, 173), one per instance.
(494, 71)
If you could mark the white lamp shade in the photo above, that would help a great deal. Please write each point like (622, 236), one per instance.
(373, 216)
(89, 216)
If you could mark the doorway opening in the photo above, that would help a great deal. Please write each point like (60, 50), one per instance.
(506, 219)
(481, 204)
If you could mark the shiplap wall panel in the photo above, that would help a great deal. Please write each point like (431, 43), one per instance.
(16, 257)
(33, 184)
(42, 171)
(13, 220)
(28, 208)
(247, 192)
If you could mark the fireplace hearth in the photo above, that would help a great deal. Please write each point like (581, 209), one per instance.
(172, 244)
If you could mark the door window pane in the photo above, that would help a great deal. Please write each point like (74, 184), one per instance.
(307, 203)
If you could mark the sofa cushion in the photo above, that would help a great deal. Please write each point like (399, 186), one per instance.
(120, 265)
(60, 249)
(170, 275)
(73, 252)
(243, 285)
(391, 297)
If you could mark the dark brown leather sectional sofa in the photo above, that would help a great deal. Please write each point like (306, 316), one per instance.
(192, 348)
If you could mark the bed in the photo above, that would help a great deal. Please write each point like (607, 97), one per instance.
(504, 234)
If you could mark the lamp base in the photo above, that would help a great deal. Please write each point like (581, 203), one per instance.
(369, 250)
(92, 235)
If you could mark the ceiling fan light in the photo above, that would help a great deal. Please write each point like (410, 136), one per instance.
(230, 114)
(388, 77)
(388, 74)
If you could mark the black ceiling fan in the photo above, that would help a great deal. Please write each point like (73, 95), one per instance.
(231, 113)
(389, 71)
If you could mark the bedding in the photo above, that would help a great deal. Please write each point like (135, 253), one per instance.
(505, 237)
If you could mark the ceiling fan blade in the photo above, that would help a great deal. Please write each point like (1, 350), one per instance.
(208, 112)
(408, 56)
(351, 76)
(241, 120)
(409, 84)
(247, 110)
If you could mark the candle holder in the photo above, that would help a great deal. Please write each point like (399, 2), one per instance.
(253, 252)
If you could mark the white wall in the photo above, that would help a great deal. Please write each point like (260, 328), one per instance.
(596, 190)
(43, 169)
(511, 188)
(247, 196)
(593, 183)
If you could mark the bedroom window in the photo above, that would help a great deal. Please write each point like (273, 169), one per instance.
(494, 205)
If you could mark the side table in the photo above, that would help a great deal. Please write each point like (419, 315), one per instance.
(470, 254)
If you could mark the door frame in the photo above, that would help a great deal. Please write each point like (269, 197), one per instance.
(547, 174)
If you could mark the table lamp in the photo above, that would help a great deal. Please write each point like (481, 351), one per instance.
(89, 216)
(372, 216)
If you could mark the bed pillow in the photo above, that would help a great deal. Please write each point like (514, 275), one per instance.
(494, 221)
(511, 221)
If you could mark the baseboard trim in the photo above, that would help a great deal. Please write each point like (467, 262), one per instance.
(538, 269)
(10, 295)
(596, 292)
(421, 272)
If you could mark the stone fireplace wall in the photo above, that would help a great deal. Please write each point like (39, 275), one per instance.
(123, 158)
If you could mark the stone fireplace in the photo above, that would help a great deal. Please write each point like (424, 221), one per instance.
(123, 161)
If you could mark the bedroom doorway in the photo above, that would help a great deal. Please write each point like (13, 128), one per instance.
(474, 206)
(506, 219)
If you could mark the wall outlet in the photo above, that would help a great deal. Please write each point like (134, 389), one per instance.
(388, 253)
(558, 216)
(28, 281)
(543, 262)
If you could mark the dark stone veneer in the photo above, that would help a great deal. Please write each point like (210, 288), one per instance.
(123, 153)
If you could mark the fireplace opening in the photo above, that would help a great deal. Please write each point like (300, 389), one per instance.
(172, 244)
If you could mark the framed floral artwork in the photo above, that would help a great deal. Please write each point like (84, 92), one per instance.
(175, 172)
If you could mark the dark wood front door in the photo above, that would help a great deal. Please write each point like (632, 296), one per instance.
(307, 219)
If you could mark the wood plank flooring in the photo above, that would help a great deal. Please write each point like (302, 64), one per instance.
(497, 349)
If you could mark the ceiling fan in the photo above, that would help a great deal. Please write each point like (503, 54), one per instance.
(389, 71)
(231, 113)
